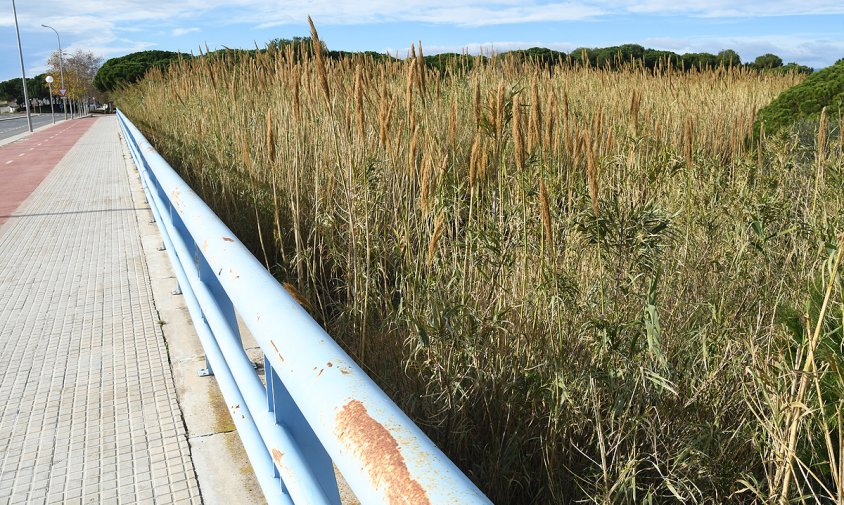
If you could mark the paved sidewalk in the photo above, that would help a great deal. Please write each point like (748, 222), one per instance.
(88, 407)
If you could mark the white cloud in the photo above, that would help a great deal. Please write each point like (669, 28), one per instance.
(266, 13)
(178, 32)
(116, 26)
(732, 8)
(454, 12)
(485, 48)
(495, 12)
(459, 12)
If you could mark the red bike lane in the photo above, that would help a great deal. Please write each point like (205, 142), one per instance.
(26, 162)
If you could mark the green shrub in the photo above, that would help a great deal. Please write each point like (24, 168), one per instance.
(824, 88)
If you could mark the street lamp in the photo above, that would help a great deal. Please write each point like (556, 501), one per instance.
(61, 68)
(50, 80)
(23, 72)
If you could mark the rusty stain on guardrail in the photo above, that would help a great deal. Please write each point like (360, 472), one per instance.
(379, 452)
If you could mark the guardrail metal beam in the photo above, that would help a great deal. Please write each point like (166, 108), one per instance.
(318, 408)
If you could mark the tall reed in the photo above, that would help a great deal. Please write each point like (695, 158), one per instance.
(499, 246)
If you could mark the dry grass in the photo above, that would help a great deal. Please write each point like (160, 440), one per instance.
(584, 285)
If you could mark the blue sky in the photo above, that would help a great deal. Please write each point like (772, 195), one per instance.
(810, 32)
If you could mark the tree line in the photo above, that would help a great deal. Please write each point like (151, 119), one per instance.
(616, 57)
(132, 67)
(12, 90)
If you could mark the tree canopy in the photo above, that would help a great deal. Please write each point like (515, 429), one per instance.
(79, 69)
(728, 58)
(132, 67)
(767, 61)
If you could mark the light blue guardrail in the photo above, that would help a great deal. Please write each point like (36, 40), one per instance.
(318, 407)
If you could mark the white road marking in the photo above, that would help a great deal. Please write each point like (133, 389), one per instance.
(9, 161)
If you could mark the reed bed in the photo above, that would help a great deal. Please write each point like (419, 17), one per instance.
(585, 285)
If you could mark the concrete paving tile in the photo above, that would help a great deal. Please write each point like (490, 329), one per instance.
(83, 362)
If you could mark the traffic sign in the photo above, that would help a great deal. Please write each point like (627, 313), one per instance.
(62, 91)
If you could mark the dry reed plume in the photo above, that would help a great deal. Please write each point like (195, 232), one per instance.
(585, 285)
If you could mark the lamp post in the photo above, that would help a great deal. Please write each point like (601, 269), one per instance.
(23, 72)
(50, 80)
(61, 69)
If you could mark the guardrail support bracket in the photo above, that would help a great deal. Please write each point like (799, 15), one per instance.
(207, 371)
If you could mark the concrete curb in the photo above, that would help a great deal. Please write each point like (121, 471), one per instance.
(17, 117)
(219, 460)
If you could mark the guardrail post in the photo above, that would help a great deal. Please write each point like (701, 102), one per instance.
(209, 278)
(287, 414)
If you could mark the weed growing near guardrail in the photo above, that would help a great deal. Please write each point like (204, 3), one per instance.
(583, 284)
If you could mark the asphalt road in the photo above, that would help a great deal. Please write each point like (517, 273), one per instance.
(10, 127)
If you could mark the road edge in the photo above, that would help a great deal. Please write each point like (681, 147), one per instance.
(21, 136)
